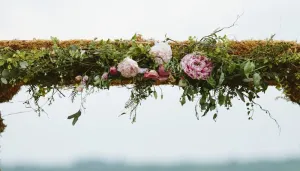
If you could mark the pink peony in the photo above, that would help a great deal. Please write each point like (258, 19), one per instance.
(196, 66)
(128, 68)
(162, 52)
(104, 76)
(152, 74)
(162, 72)
(113, 70)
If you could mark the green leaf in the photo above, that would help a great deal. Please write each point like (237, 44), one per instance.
(222, 78)
(182, 100)
(248, 68)
(211, 81)
(5, 73)
(240, 95)
(3, 80)
(75, 117)
(221, 98)
(134, 37)
(207, 109)
(155, 94)
(256, 79)
(182, 83)
(215, 116)
(247, 80)
(2, 62)
(23, 64)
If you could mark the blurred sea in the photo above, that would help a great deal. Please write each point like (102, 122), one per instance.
(288, 165)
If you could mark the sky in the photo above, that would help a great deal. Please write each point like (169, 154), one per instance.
(165, 131)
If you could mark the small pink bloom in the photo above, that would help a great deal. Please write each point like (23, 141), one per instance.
(151, 74)
(85, 78)
(162, 72)
(113, 70)
(104, 76)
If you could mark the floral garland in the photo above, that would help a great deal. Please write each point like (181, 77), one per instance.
(211, 71)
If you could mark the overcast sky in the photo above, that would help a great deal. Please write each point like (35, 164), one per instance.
(165, 131)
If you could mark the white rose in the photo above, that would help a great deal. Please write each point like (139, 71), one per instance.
(162, 52)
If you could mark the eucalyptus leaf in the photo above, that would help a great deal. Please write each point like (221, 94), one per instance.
(5, 73)
(222, 78)
(3, 80)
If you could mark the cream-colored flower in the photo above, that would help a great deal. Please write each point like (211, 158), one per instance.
(162, 52)
(128, 68)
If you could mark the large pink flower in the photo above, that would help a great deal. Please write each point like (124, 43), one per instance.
(196, 66)
(128, 68)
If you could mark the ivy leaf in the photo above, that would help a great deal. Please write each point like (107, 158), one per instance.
(211, 81)
(23, 64)
(248, 68)
(3, 80)
(256, 79)
(75, 117)
(240, 95)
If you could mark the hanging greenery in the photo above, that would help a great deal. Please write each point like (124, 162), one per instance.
(211, 70)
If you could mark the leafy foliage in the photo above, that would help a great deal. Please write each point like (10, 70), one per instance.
(238, 72)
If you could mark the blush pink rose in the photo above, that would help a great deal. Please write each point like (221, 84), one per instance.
(104, 76)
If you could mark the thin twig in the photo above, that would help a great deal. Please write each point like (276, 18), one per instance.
(16, 113)
(221, 29)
